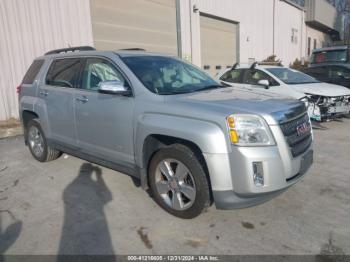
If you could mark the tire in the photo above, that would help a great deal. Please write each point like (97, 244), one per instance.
(37, 143)
(184, 190)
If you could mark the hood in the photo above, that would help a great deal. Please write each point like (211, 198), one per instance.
(322, 89)
(241, 100)
(274, 91)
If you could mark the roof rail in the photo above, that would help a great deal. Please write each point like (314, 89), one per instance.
(71, 49)
(266, 63)
(132, 49)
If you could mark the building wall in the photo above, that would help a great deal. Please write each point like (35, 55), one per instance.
(322, 39)
(254, 25)
(260, 34)
(29, 29)
(290, 32)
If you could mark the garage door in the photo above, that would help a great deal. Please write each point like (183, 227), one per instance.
(148, 24)
(218, 44)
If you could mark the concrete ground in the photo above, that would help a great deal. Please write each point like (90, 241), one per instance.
(69, 206)
(10, 128)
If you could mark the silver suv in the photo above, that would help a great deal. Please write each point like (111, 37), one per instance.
(190, 140)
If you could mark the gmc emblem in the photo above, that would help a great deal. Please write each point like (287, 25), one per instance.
(303, 128)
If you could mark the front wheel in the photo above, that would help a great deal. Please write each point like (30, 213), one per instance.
(38, 144)
(178, 182)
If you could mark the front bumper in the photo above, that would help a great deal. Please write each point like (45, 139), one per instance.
(232, 174)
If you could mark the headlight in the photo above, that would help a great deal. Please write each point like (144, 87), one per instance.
(249, 130)
(305, 99)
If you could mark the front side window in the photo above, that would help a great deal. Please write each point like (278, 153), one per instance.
(339, 72)
(167, 75)
(317, 72)
(64, 72)
(97, 70)
(291, 77)
(233, 76)
(253, 76)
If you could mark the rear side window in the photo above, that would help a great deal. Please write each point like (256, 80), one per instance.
(233, 76)
(64, 72)
(32, 72)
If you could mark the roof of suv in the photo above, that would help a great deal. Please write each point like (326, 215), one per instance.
(86, 51)
(331, 48)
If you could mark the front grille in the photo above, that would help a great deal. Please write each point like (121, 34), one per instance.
(298, 142)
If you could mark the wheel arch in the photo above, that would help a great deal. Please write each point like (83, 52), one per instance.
(26, 117)
(154, 142)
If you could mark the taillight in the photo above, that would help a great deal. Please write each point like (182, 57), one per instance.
(19, 89)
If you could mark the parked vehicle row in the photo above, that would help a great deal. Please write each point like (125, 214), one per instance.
(189, 139)
(324, 101)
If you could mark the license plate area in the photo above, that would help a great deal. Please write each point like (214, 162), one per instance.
(306, 162)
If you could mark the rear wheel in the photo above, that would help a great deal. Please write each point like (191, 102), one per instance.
(37, 143)
(178, 182)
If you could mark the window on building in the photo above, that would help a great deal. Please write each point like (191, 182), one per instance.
(309, 46)
(294, 37)
(315, 43)
(64, 72)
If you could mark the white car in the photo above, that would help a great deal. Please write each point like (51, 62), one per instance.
(325, 101)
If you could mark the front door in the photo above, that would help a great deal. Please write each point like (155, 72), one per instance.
(104, 122)
(58, 94)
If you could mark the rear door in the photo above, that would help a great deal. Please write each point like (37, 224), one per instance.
(58, 92)
(104, 122)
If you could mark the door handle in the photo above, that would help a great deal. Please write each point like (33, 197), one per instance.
(44, 93)
(83, 99)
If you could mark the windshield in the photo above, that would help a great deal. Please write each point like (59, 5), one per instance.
(291, 77)
(168, 76)
(329, 56)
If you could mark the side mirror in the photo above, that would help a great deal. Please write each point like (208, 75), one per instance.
(113, 88)
(265, 83)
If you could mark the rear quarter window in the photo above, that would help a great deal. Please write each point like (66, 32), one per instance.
(32, 72)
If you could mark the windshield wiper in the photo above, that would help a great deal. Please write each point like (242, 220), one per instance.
(175, 92)
(193, 90)
(210, 87)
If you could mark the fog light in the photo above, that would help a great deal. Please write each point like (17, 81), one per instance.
(258, 173)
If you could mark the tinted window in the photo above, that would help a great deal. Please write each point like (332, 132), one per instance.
(339, 72)
(32, 72)
(317, 72)
(64, 72)
(97, 70)
(253, 76)
(291, 77)
(167, 75)
(233, 76)
(329, 56)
